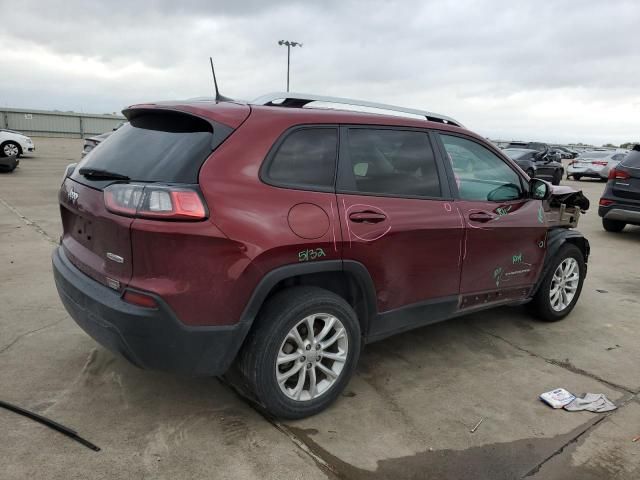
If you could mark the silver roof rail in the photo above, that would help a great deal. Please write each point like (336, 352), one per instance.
(299, 100)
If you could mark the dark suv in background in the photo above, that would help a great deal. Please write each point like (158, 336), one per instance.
(273, 241)
(620, 202)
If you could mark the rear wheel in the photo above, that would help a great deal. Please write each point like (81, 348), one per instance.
(9, 149)
(557, 176)
(530, 172)
(613, 225)
(561, 286)
(301, 353)
(577, 177)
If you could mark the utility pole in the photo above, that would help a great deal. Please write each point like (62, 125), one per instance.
(289, 44)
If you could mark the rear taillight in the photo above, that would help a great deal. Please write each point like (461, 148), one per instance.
(604, 202)
(615, 174)
(158, 202)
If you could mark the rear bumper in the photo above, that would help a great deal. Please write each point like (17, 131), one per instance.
(149, 338)
(587, 172)
(621, 213)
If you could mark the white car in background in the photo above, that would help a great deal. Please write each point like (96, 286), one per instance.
(595, 164)
(14, 143)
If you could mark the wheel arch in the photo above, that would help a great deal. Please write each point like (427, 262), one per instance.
(20, 152)
(556, 238)
(348, 279)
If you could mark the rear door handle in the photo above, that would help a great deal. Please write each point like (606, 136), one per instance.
(481, 217)
(367, 217)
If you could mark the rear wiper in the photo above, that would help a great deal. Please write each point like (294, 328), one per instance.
(101, 174)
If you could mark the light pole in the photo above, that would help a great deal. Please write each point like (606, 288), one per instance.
(289, 44)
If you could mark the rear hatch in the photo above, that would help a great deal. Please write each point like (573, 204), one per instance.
(156, 147)
(592, 160)
(627, 182)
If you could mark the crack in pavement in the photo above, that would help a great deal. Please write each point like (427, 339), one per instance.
(28, 221)
(573, 369)
(26, 334)
(537, 468)
(559, 363)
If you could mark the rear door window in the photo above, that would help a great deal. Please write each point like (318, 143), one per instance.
(306, 158)
(156, 147)
(390, 162)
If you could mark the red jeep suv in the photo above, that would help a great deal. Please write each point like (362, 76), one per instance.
(278, 239)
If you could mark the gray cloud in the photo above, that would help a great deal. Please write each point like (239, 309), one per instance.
(563, 70)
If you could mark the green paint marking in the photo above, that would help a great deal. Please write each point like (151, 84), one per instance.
(540, 214)
(310, 254)
(517, 258)
(501, 211)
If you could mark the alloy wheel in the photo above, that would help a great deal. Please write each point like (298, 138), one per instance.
(11, 149)
(311, 357)
(564, 284)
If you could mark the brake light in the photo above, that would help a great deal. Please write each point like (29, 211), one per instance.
(158, 202)
(600, 162)
(139, 299)
(604, 202)
(615, 174)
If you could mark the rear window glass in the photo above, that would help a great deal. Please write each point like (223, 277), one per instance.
(632, 160)
(593, 155)
(306, 157)
(155, 147)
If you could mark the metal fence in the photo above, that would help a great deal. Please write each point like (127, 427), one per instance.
(44, 123)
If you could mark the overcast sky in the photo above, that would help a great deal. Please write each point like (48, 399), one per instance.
(558, 71)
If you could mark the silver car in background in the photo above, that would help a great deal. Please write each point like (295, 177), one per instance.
(594, 164)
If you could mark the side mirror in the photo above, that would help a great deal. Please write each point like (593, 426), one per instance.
(539, 189)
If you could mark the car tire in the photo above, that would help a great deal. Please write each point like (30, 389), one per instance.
(577, 177)
(549, 306)
(272, 340)
(557, 176)
(613, 225)
(530, 172)
(9, 148)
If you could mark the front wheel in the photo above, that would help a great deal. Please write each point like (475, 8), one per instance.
(302, 352)
(10, 149)
(561, 286)
(530, 173)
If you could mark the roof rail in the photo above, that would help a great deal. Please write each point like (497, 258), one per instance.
(299, 100)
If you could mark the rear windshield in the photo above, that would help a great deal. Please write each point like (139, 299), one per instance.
(155, 147)
(593, 155)
(632, 160)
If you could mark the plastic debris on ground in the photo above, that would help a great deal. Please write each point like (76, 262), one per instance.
(557, 398)
(592, 402)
